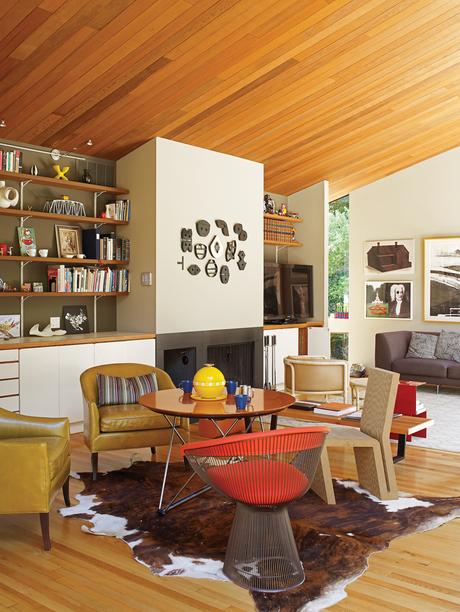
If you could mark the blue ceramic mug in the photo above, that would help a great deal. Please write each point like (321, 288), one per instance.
(186, 386)
(231, 386)
(241, 401)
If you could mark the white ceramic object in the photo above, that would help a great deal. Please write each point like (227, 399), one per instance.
(43, 252)
(9, 196)
(81, 256)
(46, 331)
(32, 252)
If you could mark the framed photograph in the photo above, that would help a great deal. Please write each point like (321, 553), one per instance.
(75, 319)
(37, 287)
(441, 279)
(388, 300)
(386, 257)
(10, 326)
(68, 240)
(27, 243)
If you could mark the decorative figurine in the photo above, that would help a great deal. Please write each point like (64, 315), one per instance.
(34, 170)
(46, 331)
(269, 204)
(86, 177)
(283, 210)
(9, 196)
(61, 173)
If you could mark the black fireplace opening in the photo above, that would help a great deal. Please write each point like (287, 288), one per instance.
(235, 361)
(180, 363)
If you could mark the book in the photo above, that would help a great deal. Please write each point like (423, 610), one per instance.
(335, 409)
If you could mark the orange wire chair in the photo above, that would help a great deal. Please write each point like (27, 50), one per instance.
(263, 473)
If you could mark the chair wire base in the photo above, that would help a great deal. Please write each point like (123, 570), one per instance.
(261, 552)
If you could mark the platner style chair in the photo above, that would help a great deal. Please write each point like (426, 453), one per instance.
(309, 378)
(263, 473)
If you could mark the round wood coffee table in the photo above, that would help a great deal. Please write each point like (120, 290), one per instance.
(174, 404)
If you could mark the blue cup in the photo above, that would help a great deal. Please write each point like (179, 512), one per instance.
(241, 401)
(231, 386)
(186, 386)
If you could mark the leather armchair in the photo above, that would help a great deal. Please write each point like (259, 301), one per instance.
(123, 426)
(35, 464)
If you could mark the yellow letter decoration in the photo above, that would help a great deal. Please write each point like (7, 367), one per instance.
(61, 174)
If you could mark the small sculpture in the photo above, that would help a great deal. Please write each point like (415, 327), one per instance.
(34, 170)
(269, 204)
(61, 172)
(86, 177)
(46, 331)
(8, 196)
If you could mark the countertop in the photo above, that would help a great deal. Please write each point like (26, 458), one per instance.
(69, 339)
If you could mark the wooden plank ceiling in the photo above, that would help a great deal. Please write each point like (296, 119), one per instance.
(347, 90)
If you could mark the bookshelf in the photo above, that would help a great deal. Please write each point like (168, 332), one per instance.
(20, 213)
(279, 230)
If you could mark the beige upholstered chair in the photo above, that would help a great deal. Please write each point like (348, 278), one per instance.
(308, 378)
(121, 426)
(370, 443)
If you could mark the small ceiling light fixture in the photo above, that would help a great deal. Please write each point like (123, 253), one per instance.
(2, 123)
(89, 142)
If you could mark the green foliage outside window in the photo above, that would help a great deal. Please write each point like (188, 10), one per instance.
(338, 255)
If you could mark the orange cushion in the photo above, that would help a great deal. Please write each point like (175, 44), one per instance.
(260, 482)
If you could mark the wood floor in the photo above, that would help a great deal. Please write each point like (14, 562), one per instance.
(85, 572)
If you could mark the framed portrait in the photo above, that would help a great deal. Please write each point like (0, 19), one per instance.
(10, 326)
(68, 240)
(388, 300)
(441, 279)
(386, 257)
(75, 319)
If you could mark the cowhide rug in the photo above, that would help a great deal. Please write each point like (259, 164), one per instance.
(334, 542)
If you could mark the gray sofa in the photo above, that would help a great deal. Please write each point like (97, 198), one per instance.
(390, 353)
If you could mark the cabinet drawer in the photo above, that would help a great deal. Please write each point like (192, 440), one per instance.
(10, 403)
(9, 370)
(9, 355)
(9, 387)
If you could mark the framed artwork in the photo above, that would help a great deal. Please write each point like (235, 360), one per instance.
(27, 243)
(68, 240)
(442, 279)
(10, 326)
(385, 257)
(75, 319)
(388, 300)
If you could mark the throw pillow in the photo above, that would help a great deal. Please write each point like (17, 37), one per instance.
(448, 346)
(118, 390)
(422, 346)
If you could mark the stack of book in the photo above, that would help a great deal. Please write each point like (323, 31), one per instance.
(279, 231)
(334, 409)
(11, 161)
(105, 246)
(120, 210)
(81, 280)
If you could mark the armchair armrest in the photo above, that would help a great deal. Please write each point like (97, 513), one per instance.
(390, 346)
(91, 425)
(13, 425)
(24, 477)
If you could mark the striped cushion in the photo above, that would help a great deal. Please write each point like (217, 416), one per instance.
(117, 390)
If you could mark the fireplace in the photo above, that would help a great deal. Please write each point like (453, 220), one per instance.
(236, 352)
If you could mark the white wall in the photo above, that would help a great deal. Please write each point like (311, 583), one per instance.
(192, 184)
(418, 202)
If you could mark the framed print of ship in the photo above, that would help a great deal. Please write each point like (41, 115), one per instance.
(442, 279)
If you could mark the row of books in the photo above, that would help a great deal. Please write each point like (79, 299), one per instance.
(11, 161)
(278, 230)
(120, 210)
(84, 280)
(105, 246)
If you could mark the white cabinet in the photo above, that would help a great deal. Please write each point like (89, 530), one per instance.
(39, 381)
(128, 351)
(281, 343)
(73, 360)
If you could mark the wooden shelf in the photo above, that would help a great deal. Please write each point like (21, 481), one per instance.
(38, 214)
(284, 218)
(52, 182)
(291, 243)
(65, 260)
(61, 293)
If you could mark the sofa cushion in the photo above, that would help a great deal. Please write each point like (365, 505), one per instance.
(58, 451)
(129, 417)
(119, 390)
(448, 346)
(422, 346)
(453, 371)
(436, 368)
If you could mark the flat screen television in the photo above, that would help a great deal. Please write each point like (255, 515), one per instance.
(288, 292)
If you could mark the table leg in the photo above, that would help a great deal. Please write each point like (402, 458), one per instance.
(401, 454)
(248, 424)
(168, 458)
(274, 422)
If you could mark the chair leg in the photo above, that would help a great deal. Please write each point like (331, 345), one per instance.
(371, 472)
(94, 461)
(45, 527)
(153, 450)
(65, 492)
(322, 483)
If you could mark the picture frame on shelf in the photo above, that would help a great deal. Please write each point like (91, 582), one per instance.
(441, 276)
(389, 257)
(27, 241)
(75, 319)
(68, 240)
(37, 287)
(389, 299)
(10, 326)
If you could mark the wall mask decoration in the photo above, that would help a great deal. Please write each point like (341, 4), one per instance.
(230, 250)
(221, 224)
(194, 269)
(186, 240)
(202, 228)
(200, 250)
(181, 262)
(241, 263)
(224, 275)
(243, 235)
(211, 268)
(237, 228)
(215, 248)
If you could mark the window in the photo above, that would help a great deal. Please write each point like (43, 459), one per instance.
(338, 257)
(339, 345)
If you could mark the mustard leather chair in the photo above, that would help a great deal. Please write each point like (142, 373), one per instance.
(34, 465)
(123, 426)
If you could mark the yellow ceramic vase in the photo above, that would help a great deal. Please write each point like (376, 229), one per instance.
(209, 382)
